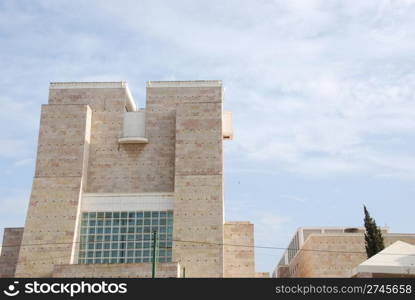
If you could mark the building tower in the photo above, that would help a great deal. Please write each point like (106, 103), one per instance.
(108, 175)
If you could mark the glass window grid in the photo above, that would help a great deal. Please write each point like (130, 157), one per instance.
(125, 237)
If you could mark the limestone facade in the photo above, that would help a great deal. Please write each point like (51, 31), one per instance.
(141, 270)
(331, 254)
(239, 251)
(9, 252)
(262, 275)
(83, 155)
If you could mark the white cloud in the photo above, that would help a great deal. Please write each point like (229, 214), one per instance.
(14, 201)
(12, 148)
(23, 162)
(270, 230)
(13, 208)
(295, 198)
(17, 119)
(317, 87)
(311, 83)
(314, 85)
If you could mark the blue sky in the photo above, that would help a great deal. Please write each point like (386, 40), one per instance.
(323, 96)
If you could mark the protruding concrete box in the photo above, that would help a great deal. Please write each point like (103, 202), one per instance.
(227, 125)
(134, 128)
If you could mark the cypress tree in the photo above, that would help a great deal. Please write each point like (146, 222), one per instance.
(373, 236)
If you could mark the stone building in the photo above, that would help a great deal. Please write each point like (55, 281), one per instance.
(108, 175)
(329, 251)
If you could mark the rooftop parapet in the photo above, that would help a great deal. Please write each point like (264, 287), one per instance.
(131, 106)
(187, 83)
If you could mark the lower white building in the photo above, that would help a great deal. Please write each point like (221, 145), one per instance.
(397, 260)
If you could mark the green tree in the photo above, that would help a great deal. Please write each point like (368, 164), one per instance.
(373, 235)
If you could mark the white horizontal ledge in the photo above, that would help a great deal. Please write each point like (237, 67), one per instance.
(151, 194)
(88, 85)
(127, 202)
(189, 83)
(133, 140)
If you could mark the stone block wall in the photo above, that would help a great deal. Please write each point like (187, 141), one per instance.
(9, 253)
(238, 250)
(125, 168)
(339, 254)
(53, 208)
(142, 270)
(198, 206)
(79, 152)
(262, 275)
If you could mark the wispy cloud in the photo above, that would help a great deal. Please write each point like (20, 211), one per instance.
(13, 208)
(318, 88)
(269, 227)
(299, 199)
(12, 148)
(23, 162)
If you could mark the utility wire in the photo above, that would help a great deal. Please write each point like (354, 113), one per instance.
(208, 243)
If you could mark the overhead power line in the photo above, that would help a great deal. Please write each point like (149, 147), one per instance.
(213, 244)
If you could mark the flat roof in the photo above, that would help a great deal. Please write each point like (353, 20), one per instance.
(131, 106)
(185, 83)
(88, 85)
